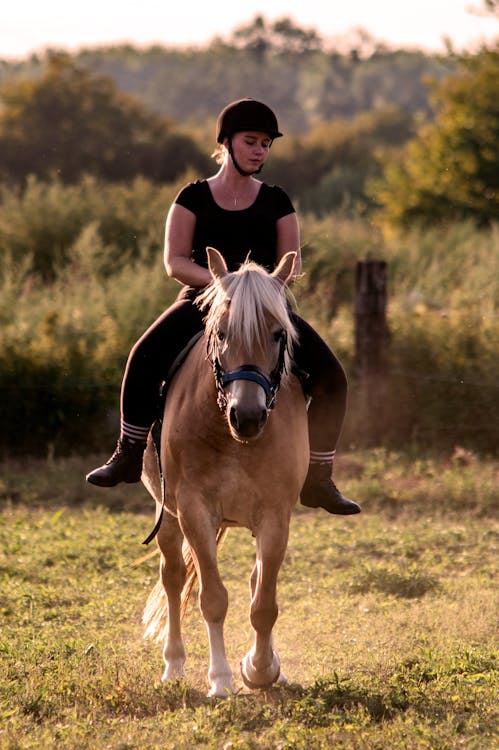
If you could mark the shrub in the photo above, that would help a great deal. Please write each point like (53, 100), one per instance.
(44, 221)
(64, 341)
(439, 388)
(63, 347)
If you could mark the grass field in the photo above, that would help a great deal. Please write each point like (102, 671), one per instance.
(387, 625)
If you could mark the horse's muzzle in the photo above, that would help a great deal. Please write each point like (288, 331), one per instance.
(246, 423)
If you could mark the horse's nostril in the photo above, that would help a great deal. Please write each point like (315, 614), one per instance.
(233, 418)
(247, 423)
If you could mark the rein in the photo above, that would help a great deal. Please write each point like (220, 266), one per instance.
(253, 373)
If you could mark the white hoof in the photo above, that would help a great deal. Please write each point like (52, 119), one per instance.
(222, 689)
(173, 671)
(260, 679)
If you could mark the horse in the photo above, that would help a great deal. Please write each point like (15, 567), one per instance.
(234, 452)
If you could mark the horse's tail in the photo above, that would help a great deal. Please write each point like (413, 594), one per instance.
(191, 574)
(155, 616)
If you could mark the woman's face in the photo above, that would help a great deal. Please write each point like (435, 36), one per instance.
(251, 149)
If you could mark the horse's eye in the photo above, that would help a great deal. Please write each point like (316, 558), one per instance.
(221, 335)
(278, 335)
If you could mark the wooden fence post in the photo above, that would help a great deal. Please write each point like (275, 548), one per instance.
(371, 331)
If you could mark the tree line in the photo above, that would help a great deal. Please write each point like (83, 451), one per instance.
(292, 68)
(69, 122)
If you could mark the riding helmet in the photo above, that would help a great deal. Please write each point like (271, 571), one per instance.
(246, 114)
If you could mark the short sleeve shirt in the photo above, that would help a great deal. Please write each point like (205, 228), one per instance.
(237, 235)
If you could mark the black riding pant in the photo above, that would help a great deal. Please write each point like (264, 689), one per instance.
(154, 353)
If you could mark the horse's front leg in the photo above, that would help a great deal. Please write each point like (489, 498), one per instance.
(260, 668)
(172, 572)
(213, 598)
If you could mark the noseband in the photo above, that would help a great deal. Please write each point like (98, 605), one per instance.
(253, 373)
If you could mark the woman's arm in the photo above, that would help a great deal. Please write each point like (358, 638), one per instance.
(288, 239)
(179, 236)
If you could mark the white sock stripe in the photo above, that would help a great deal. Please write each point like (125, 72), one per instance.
(134, 432)
(322, 457)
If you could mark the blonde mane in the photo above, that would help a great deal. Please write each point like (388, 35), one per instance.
(248, 300)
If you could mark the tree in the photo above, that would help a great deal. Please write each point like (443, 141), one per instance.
(70, 122)
(451, 169)
(330, 167)
(282, 36)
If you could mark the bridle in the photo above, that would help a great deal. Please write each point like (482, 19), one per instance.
(270, 384)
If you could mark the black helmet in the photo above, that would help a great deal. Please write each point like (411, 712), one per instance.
(246, 114)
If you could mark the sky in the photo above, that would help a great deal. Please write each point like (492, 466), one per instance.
(28, 26)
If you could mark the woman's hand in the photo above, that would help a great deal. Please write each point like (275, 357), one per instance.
(288, 240)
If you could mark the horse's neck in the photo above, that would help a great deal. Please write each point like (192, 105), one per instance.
(202, 379)
(193, 391)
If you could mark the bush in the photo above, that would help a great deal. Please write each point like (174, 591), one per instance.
(63, 346)
(64, 342)
(44, 221)
(439, 388)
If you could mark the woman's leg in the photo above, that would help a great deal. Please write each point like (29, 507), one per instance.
(328, 388)
(150, 361)
(147, 367)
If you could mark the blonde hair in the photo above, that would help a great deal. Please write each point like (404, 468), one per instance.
(219, 154)
(249, 298)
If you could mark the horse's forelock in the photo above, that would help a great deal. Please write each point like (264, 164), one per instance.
(247, 300)
(215, 302)
(255, 301)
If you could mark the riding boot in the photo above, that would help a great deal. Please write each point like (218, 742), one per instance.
(125, 465)
(319, 491)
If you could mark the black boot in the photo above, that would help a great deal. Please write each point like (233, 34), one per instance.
(319, 491)
(125, 465)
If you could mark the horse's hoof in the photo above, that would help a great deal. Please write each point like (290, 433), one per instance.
(255, 680)
(221, 691)
(282, 680)
(173, 672)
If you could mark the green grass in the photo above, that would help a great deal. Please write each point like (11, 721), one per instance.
(386, 629)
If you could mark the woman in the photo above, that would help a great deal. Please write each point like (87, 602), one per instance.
(240, 216)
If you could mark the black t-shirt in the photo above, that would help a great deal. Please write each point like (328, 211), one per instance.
(237, 235)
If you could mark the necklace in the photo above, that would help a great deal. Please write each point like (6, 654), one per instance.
(235, 196)
(241, 198)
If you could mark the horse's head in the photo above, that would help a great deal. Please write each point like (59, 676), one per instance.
(250, 337)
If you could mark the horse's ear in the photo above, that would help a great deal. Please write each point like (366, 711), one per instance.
(284, 270)
(216, 263)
